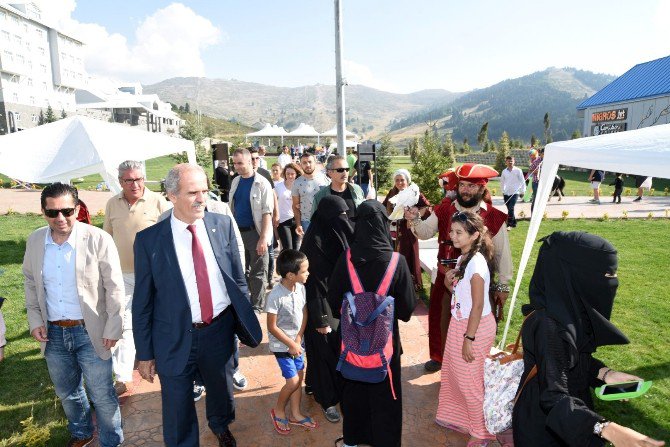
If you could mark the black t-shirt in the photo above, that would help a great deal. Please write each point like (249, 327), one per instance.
(348, 198)
(363, 171)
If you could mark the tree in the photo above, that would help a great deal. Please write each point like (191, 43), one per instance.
(63, 115)
(196, 132)
(503, 151)
(430, 161)
(576, 134)
(547, 129)
(486, 146)
(483, 135)
(41, 119)
(187, 108)
(413, 149)
(465, 149)
(448, 150)
(533, 140)
(383, 160)
(49, 117)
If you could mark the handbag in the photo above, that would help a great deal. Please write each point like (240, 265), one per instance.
(502, 374)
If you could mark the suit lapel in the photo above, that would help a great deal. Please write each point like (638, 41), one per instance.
(81, 244)
(215, 235)
(167, 244)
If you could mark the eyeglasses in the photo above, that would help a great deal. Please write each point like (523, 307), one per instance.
(340, 170)
(130, 181)
(67, 212)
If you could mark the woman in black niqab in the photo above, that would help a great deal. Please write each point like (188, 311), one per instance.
(371, 415)
(330, 232)
(571, 292)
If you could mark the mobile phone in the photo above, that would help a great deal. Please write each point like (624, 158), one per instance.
(620, 388)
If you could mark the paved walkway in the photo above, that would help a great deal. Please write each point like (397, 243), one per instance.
(141, 407)
(28, 201)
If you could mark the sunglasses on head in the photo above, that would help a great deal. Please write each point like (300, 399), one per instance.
(340, 170)
(460, 217)
(67, 212)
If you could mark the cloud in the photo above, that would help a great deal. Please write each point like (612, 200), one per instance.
(356, 73)
(166, 44)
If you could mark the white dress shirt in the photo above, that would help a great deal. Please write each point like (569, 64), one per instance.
(60, 278)
(512, 182)
(182, 244)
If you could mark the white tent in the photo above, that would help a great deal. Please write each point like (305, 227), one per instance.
(79, 146)
(304, 130)
(347, 143)
(269, 130)
(333, 133)
(641, 152)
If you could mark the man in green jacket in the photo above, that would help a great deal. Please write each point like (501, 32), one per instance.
(338, 171)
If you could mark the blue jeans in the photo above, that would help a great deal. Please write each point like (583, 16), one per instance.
(305, 225)
(73, 363)
(364, 187)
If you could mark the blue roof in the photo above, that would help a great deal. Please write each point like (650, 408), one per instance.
(644, 80)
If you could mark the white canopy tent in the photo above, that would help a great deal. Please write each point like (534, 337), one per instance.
(333, 133)
(79, 146)
(641, 152)
(347, 143)
(305, 130)
(269, 130)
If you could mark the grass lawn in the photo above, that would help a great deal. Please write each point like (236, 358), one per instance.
(641, 311)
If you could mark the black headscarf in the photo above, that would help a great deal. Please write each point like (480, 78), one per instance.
(372, 237)
(574, 281)
(330, 230)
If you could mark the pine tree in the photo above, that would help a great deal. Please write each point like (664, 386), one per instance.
(414, 149)
(49, 117)
(383, 161)
(63, 115)
(196, 132)
(430, 161)
(466, 147)
(533, 140)
(503, 151)
(547, 129)
(187, 108)
(41, 120)
(483, 135)
(448, 150)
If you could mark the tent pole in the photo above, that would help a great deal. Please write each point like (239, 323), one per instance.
(339, 81)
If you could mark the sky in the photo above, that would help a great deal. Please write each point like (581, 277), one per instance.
(399, 46)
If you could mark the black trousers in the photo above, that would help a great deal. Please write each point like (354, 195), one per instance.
(212, 355)
(510, 203)
(287, 235)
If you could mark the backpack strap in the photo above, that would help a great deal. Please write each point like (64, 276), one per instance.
(373, 315)
(353, 276)
(385, 284)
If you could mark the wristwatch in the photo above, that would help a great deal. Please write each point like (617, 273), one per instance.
(598, 427)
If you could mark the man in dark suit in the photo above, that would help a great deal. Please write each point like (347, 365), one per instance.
(190, 299)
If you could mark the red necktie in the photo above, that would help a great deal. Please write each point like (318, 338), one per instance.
(201, 278)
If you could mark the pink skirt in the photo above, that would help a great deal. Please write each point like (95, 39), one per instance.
(461, 401)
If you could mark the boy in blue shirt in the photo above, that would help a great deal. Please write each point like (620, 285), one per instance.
(286, 321)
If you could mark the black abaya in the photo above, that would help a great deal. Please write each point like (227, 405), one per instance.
(371, 415)
(328, 235)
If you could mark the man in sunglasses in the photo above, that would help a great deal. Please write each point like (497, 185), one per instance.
(127, 213)
(337, 169)
(74, 301)
(471, 195)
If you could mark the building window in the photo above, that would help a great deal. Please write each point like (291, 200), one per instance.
(18, 39)
(32, 100)
(30, 82)
(39, 33)
(42, 51)
(33, 118)
(5, 35)
(3, 15)
(44, 86)
(15, 19)
(44, 68)
(20, 59)
(8, 55)
(15, 97)
(17, 115)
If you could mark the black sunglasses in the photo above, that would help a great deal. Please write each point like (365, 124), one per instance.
(67, 212)
(340, 170)
(459, 216)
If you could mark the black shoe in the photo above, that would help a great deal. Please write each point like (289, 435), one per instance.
(332, 415)
(638, 199)
(432, 366)
(226, 439)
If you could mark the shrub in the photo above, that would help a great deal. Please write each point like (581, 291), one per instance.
(565, 214)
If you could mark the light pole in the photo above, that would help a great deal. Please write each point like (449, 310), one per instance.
(339, 81)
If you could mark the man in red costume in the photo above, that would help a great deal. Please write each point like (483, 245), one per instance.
(471, 195)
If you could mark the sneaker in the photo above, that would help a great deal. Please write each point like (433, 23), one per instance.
(239, 381)
(332, 415)
(197, 392)
(432, 366)
(638, 199)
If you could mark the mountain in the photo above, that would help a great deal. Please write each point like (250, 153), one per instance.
(515, 105)
(368, 110)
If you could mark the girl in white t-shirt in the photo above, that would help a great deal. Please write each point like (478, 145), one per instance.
(471, 332)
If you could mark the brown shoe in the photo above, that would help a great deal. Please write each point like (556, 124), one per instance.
(120, 388)
(74, 442)
(226, 439)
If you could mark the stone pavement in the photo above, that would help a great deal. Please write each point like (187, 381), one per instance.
(141, 407)
(28, 201)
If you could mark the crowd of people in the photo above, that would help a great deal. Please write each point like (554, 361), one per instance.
(175, 286)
